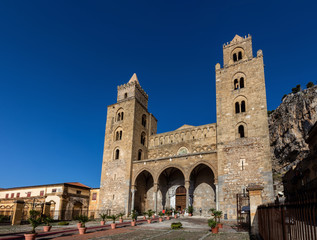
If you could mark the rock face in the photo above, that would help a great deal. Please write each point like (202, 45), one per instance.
(289, 125)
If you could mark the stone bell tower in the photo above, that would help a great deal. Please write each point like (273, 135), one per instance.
(128, 127)
(242, 127)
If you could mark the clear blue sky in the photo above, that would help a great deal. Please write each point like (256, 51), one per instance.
(61, 61)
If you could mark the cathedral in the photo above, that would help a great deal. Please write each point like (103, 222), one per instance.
(201, 166)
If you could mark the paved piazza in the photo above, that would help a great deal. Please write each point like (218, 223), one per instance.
(193, 228)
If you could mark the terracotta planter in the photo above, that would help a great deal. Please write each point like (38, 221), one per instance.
(133, 223)
(190, 214)
(47, 228)
(102, 223)
(175, 216)
(113, 225)
(82, 230)
(160, 219)
(219, 225)
(120, 220)
(30, 236)
(153, 216)
(149, 221)
(214, 230)
(168, 218)
(144, 217)
(78, 225)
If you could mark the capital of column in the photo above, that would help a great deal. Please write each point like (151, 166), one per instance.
(133, 188)
(156, 187)
(187, 184)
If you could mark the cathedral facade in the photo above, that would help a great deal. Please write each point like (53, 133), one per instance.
(201, 166)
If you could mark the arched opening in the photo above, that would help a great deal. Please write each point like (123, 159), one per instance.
(242, 82)
(144, 200)
(144, 120)
(125, 95)
(235, 57)
(118, 135)
(241, 131)
(77, 209)
(243, 106)
(237, 106)
(140, 154)
(117, 154)
(239, 55)
(202, 190)
(236, 84)
(180, 198)
(169, 181)
(143, 138)
(119, 116)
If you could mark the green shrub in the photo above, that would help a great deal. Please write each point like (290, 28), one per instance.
(190, 209)
(83, 219)
(212, 223)
(63, 223)
(296, 89)
(310, 84)
(176, 225)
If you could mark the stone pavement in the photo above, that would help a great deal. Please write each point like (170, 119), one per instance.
(194, 228)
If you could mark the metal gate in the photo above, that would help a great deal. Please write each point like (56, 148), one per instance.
(243, 211)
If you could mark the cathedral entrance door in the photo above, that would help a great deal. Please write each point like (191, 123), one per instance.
(180, 198)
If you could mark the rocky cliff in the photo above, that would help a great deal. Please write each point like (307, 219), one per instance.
(289, 125)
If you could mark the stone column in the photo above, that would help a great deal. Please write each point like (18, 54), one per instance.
(255, 195)
(187, 185)
(217, 196)
(17, 212)
(133, 190)
(47, 208)
(155, 197)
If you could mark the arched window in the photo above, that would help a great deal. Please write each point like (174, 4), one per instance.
(236, 84)
(235, 57)
(237, 107)
(241, 131)
(120, 116)
(140, 154)
(243, 106)
(118, 135)
(144, 120)
(242, 82)
(125, 95)
(117, 154)
(143, 138)
(239, 55)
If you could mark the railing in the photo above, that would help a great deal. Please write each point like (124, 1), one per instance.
(296, 220)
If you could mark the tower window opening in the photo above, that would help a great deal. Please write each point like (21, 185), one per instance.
(239, 55)
(236, 84)
(144, 120)
(237, 105)
(118, 135)
(120, 116)
(117, 154)
(143, 138)
(242, 82)
(235, 57)
(140, 154)
(125, 95)
(241, 131)
(243, 106)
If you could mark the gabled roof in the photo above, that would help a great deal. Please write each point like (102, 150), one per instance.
(184, 127)
(134, 78)
(77, 184)
(237, 38)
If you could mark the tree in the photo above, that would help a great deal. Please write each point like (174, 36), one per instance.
(310, 84)
(296, 89)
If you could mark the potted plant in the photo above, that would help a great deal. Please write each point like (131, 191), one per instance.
(82, 219)
(150, 214)
(218, 215)
(134, 216)
(212, 210)
(144, 215)
(120, 215)
(175, 214)
(35, 220)
(190, 210)
(168, 214)
(47, 220)
(213, 224)
(103, 217)
(161, 214)
(113, 218)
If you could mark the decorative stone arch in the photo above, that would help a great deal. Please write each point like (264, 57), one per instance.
(182, 151)
(139, 172)
(239, 100)
(237, 54)
(208, 165)
(170, 166)
(237, 78)
(115, 155)
(118, 129)
(119, 115)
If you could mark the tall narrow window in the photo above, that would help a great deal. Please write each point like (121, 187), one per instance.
(144, 120)
(237, 107)
(122, 116)
(125, 95)
(119, 117)
(7, 195)
(243, 106)
(239, 55)
(94, 196)
(12, 195)
(236, 84)
(143, 138)
(241, 131)
(117, 135)
(140, 154)
(235, 57)
(28, 194)
(117, 153)
(242, 82)
(18, 195)
(41, 193)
